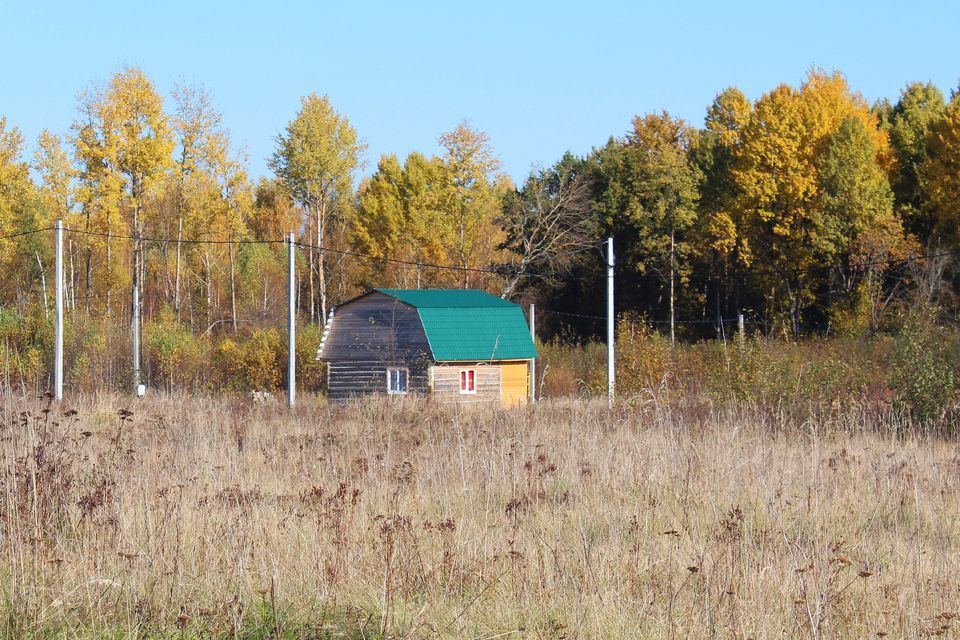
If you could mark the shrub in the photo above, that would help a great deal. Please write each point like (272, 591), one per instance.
(644, 359)
(26, 345)
(311, 374)
(173, 348)
(569, 368)
(256, 363)
(922, 376)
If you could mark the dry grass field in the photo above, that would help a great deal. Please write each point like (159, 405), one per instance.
(183, 517)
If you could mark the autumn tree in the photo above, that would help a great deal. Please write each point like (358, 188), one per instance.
(316, 158)
(472, 192)
(718, 235)
(15, 184)
(201, 148)
(909, 123)
(123, 141)
(649, 197)
(99, 193)
(549, 223)
(399, 217)
(381, 225)
(789, 238)
(940, 176)
(856, 228)
(19, 211)
(211, 198)
(57, 173)
(274, 214)
(439, 210)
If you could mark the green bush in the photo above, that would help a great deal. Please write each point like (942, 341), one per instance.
(26, 345)
(311, 374)
(922, 376)
(173, 349)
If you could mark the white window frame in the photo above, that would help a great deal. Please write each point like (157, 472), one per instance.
(391, 371)
(464, 376)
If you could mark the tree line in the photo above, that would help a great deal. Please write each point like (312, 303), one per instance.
(808, 208)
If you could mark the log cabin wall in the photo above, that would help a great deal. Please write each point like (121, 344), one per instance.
(348, 379)
(369, 335)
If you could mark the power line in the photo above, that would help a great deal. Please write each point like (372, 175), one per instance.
(122, 236)
(499, 271)
(412, 263)
(302, 245)
(650, 322)
(21, 234)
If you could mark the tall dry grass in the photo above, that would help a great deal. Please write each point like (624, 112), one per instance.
(189, 517)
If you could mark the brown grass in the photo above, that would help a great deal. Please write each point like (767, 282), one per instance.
(194, 517)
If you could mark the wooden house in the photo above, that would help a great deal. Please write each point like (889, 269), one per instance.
(460, 345)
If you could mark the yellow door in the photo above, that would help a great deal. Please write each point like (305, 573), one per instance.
(514, 391)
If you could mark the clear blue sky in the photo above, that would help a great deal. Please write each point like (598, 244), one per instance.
(539, 77)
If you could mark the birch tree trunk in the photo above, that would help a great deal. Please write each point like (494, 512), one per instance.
(233, 287)
(208, 284)
(72, 298)
(673, 334)
(310, 273)
(43, 288)
(109, 267)
(321, 271)
(176, 276)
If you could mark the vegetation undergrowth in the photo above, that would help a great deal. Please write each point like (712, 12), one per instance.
(186, 516)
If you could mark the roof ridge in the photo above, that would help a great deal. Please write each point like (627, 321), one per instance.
(447, 298)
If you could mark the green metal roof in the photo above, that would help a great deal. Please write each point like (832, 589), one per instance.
(448, 298)
(469, 325)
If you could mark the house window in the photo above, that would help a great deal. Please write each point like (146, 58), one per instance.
(468, 380)
(397, 381)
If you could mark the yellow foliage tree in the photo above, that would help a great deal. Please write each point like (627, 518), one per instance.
(940, 176)
(471, 198)
(789, 240)
(15, 185)
(124, 143)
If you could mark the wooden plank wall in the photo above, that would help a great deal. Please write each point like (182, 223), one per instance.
(446, 383)
(515, 383)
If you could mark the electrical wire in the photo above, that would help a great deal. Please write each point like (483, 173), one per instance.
(428, 265)
(499, 271)
(302, 245)
(409, 263)
(585, 316)
(21, 234)
(121, 236)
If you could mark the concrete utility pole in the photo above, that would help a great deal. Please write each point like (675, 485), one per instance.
(58, 313)
(533, 361)
(138, 387)
(291, 324)
(610, 324)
